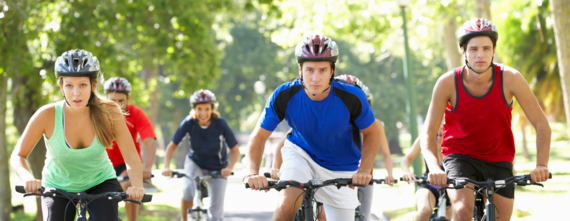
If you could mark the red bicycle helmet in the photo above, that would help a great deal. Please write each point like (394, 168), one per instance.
(316, 48)
(477, 27)
(117, 84)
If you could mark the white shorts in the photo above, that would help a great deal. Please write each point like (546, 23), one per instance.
(298, 165)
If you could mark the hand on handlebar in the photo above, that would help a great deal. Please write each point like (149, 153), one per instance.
(389, 179)
(539, 174)
(32, 186)
(135, 193)
(256, 182)
(147, 174)
(361, 177)
(226, 172)
(274, 173)
(409, 177)
(438, 178)
(167, 172)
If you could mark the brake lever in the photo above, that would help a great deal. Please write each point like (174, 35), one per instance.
(133, 201)
(32, 194)
(537, 184)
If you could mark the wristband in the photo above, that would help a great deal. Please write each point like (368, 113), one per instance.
(541, 165)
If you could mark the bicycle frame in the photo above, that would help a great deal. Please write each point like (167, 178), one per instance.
(199, 213)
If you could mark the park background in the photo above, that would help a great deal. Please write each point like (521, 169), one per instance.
(168, 49)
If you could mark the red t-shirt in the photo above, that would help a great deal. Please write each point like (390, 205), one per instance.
(479, 127)
(137, 122)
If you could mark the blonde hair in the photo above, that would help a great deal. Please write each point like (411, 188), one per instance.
(215, 114)
(102, 110)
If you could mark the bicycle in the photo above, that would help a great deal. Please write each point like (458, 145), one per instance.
(309, 189)
(199, 213)
(481, 212)
(82, 198)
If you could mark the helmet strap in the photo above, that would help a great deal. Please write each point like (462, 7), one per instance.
(467, 64)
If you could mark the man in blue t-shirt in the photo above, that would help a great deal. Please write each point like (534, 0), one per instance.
(326, 118)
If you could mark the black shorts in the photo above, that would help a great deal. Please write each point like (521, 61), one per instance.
(435, 192)
(120, 169)
(58, 209)
(459, 165)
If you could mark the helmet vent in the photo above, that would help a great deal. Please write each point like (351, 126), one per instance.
(76, 62)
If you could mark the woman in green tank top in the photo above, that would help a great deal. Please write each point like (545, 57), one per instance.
(76, 132)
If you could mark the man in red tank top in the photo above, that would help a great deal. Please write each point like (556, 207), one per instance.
(118, 90)
(478, 142)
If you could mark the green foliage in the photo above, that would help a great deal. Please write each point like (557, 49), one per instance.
(527, 44)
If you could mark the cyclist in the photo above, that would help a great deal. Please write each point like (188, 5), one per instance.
(77, 131)
(209, 135)
(427, 195)
(368, 191)
(119, 90)
(326, 118)
(477, 138)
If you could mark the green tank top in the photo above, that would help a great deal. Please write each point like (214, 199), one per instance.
(74, 170)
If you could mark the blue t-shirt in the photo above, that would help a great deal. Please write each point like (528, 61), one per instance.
(328, 130)
(207, 145)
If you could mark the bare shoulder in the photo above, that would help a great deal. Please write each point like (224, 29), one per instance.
(513, 76)
(447, 79)
(445, 84)
(46, 113)
(44, 119)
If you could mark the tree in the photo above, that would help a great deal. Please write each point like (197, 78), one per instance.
(561, 19)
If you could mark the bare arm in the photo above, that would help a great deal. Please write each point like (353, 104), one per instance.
(255, 148)
(149, 155)
(531, 108)
(385, 149)
(169, 153)
(441, 96)
(277, 158)
(370, 146)
(233, 160)
(407, 161)
(33, 132)
(127, 148)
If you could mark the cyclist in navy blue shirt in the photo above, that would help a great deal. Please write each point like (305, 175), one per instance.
(326, 118)
(209, 136)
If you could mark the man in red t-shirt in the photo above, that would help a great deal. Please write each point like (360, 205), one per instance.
(118, 90)
(478, 141)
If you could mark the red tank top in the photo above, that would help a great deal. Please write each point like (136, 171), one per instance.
(479, 127)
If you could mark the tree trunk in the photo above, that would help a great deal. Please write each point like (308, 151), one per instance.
(561, 17)
(5, 187)
(26, 95)
(484, 9)
(451, 44)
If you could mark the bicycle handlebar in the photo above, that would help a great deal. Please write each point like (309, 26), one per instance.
(458, 183)
(53, 192)
(339, 182)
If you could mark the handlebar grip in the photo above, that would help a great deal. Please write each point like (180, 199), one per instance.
(266, 174)
(146, 198)
(269, 183)
(232, 173)
(20, 189)
(549, 175)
